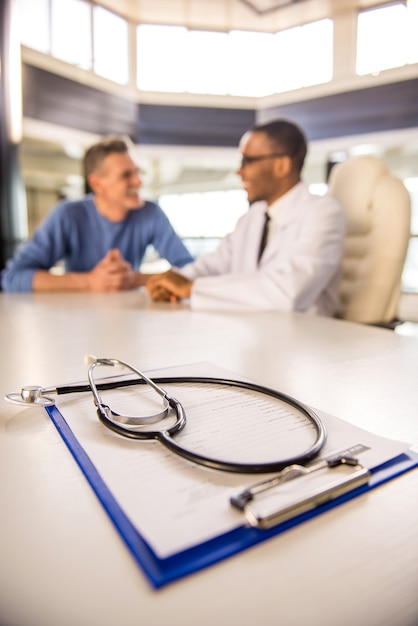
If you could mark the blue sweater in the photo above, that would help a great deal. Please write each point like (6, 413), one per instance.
(76, 233)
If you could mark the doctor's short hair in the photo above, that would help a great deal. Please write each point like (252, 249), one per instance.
(286, 137)
(95, 154)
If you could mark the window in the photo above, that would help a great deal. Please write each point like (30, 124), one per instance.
(161, 58)
(410, 273)
(34, 24)
(202, 219)
(238, 63)
(110, 39)
(307, 52)
(63, 28)
(249, 64)
(207, 52)
(387, 37)
(176, 59)
(71, 32)
(205, 214)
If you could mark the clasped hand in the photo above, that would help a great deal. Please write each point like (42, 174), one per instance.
(112, 273)
(169, 287)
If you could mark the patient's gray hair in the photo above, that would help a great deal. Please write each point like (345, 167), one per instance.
(95, 155)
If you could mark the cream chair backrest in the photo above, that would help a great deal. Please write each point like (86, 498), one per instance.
(378, 211)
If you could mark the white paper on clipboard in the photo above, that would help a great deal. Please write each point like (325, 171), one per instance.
(173, 503)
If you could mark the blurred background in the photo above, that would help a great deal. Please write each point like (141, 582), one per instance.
(184, 79)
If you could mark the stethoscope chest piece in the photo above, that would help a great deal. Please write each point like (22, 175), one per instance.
(31, 395)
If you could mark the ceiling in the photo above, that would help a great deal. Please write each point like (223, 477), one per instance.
(263, 15)
(261, 7)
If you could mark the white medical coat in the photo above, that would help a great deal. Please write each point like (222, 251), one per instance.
(300, 267)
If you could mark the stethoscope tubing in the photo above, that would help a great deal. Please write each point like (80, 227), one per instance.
(165, 436)
(131, 426)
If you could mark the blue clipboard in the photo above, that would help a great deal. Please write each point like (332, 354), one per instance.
(161, 571)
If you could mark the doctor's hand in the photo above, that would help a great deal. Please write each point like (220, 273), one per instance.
(169, 287)
(112, 273)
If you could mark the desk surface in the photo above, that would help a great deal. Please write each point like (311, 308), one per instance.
(63, 564)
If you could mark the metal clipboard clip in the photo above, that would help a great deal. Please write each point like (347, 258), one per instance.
(264, 506)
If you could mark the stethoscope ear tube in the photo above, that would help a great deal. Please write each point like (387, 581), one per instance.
(103, 412)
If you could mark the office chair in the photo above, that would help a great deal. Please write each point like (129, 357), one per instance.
(378, 210)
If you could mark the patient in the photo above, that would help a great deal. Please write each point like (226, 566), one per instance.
(284, 254)
(101, 238)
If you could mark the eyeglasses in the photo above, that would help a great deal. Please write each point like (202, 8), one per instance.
(245, 160)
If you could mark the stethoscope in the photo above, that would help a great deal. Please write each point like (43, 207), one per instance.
(130, 426)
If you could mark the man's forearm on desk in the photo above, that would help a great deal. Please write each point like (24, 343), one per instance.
(43, 280)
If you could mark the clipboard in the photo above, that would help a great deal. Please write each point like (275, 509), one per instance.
(162, 571)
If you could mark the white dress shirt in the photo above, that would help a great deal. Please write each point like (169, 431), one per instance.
(300, 266)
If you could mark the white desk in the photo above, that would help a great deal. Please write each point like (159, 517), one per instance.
(63, 564)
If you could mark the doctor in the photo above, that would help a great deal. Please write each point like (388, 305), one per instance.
(297, 266)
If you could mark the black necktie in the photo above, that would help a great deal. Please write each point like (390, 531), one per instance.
(264, 234)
